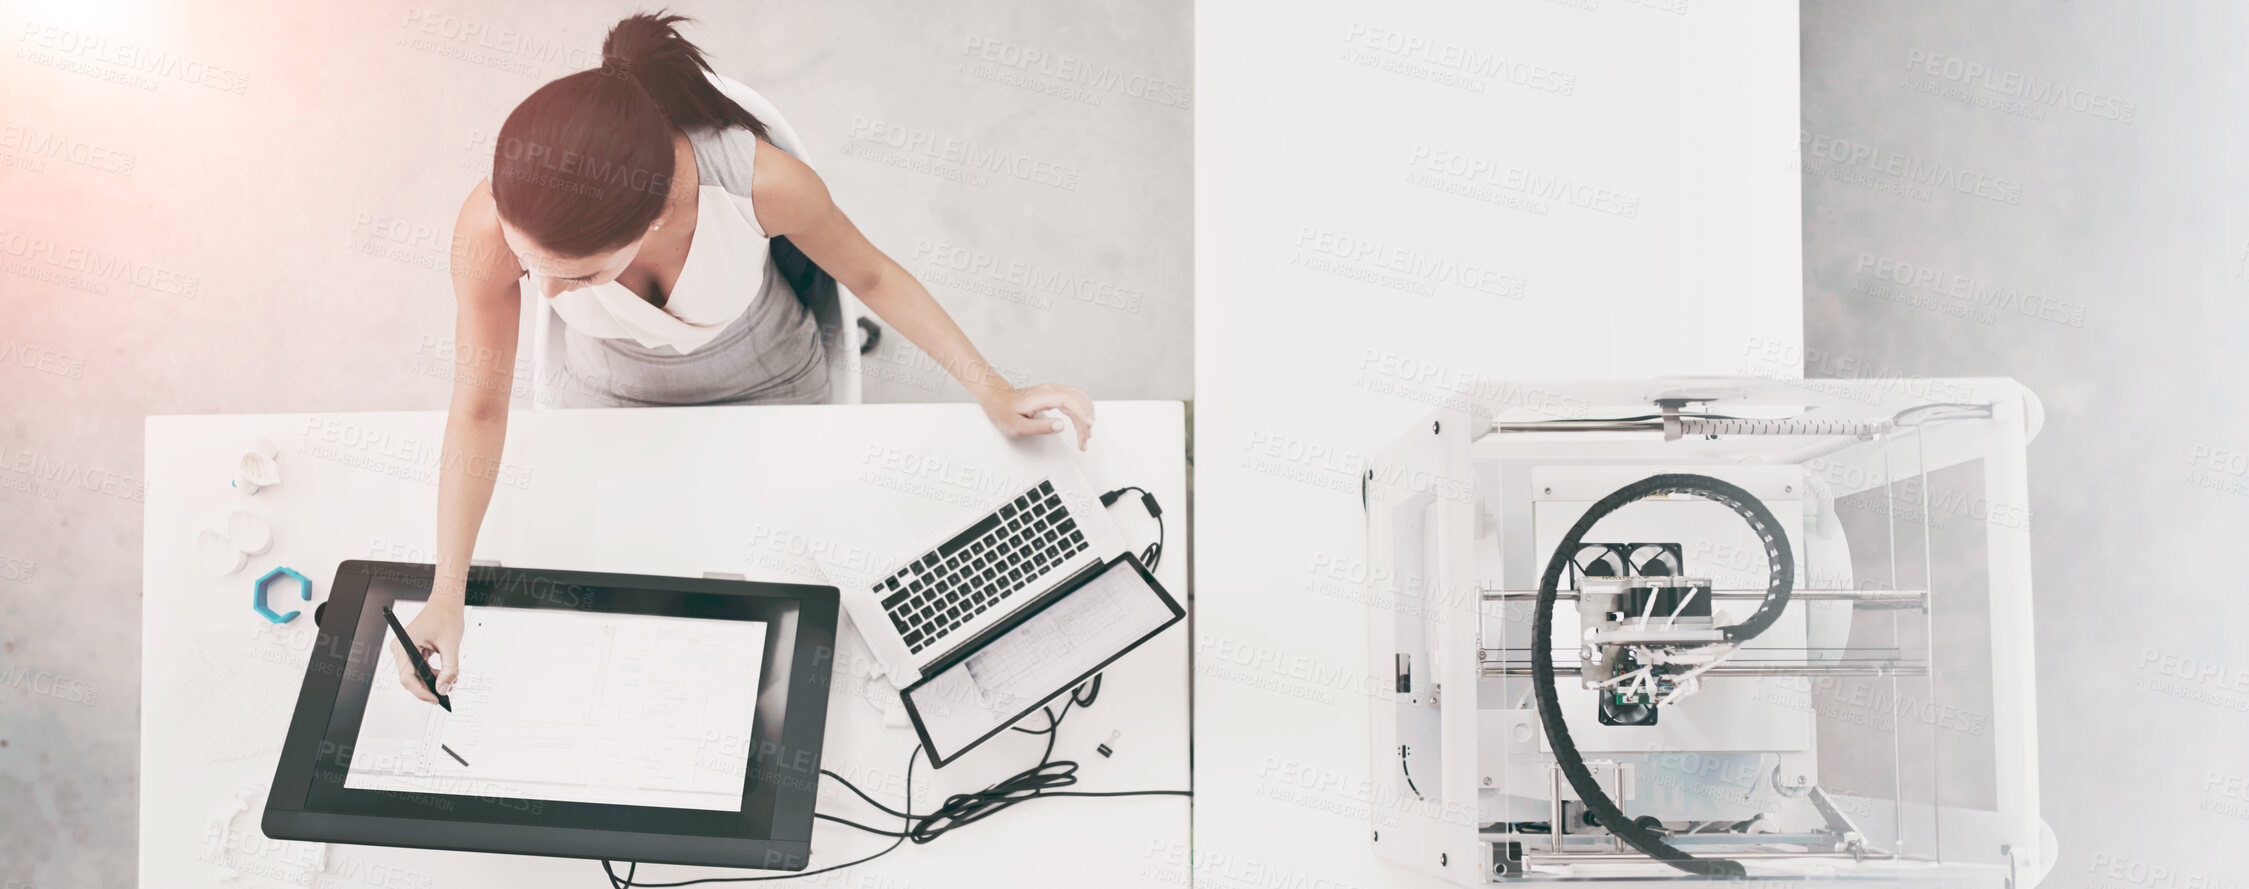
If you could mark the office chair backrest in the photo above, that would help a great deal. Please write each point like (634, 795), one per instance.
(836, 309)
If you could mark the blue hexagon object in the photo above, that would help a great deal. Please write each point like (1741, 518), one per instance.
(258, 593)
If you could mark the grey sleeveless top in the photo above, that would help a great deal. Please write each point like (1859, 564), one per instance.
(773, 352)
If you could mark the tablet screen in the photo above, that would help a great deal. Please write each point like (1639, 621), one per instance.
(573, 706)
(688, 713)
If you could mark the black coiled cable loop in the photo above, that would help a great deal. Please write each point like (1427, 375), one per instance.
(1778, 556)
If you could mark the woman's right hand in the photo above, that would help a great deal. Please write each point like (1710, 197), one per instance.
(437, 632)
(1022, 412)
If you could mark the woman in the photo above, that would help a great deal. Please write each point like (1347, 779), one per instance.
(663, 225)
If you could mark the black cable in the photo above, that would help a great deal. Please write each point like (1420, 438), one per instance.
(963, 809)
(1042, 780)
(1566, 755)
(877, 831)
(1154, 554)
(626, 882)
(1053, 719)
(1408, 770)
(847, 785)
(958, 810)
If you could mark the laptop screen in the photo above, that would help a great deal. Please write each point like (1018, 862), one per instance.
(1053, 650)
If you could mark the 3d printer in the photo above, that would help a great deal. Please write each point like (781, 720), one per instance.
(1715, 627)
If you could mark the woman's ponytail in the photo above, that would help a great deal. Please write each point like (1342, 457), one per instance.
(648, 49)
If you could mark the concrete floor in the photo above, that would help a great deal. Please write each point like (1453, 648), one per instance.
(2116, 209)
(263, 227)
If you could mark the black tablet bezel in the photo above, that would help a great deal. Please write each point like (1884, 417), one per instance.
(907, 695)
(772, 831)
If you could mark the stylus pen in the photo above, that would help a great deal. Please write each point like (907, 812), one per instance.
(413, 653)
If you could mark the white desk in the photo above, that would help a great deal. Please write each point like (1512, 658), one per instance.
(767, 492)
(1335, 305)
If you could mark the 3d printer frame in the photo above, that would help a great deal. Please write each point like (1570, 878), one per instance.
(1465, 511)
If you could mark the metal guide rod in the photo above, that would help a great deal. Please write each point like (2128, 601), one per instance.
(1899, 597)
(1676, 424)
(1698, 426)
(1897, 748)
(1530, 857)
(1557, 827)
(1616, 792)
(1495, 832)
(1578, 426)
(1747, 670)
(1556, 833)
(1929, 640)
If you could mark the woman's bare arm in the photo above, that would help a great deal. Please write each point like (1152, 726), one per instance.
(487, 305)
(791, 200)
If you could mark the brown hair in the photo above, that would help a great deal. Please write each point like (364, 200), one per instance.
(583, 164)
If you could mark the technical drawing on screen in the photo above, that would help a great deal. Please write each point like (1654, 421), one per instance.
(1708, 626)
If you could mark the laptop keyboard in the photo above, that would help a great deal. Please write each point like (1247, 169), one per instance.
(980, 567)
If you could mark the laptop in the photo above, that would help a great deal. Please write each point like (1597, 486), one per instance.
(966, 586)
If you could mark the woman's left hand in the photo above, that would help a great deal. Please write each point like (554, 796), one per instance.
(1017, 412)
